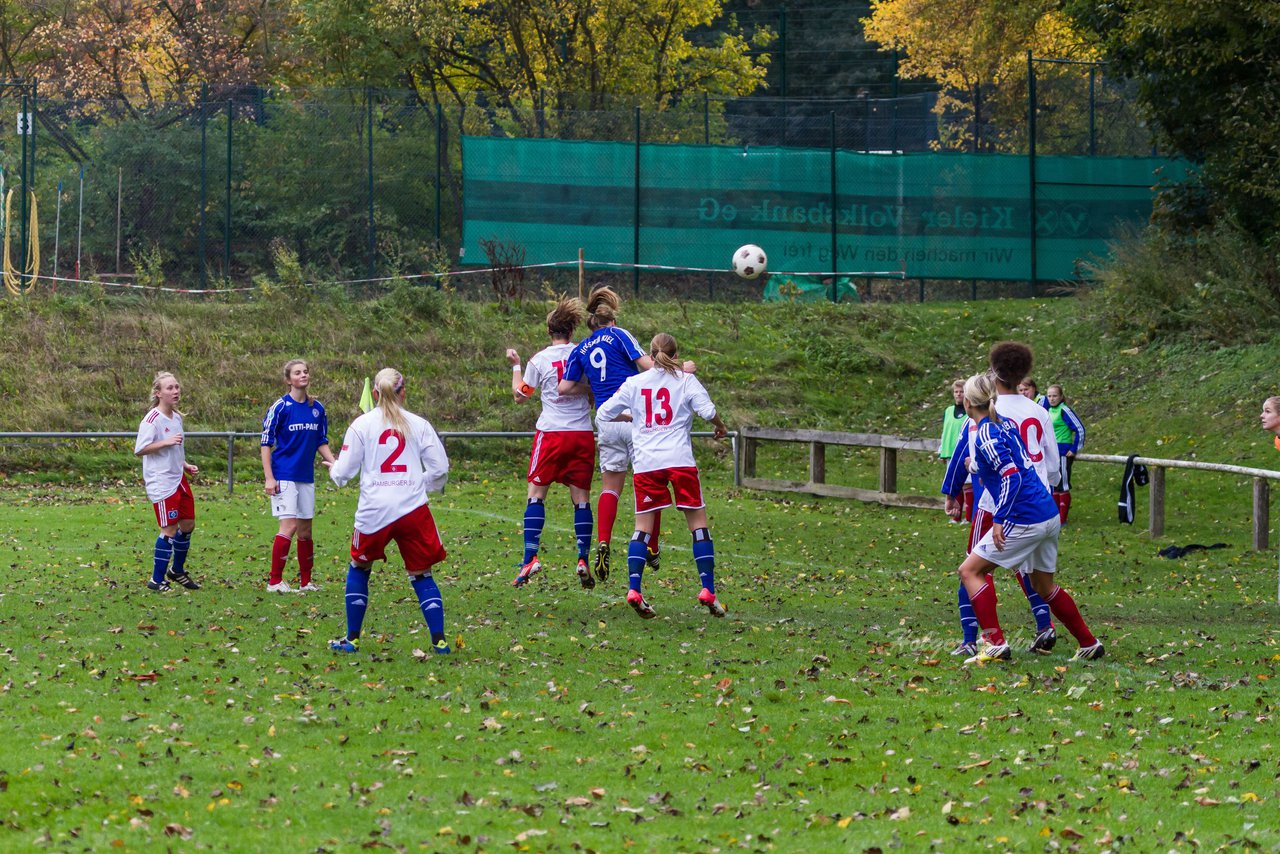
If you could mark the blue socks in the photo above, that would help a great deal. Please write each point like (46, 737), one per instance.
(535, 516)
(181, 542)
(1039, 607)
(637, 554)
(968, 622)
(163, 551)
(431, 603)
(358, 600)
(582, 525)
(704, 555)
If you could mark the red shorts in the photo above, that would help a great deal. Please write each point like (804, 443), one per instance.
(180, 505)
(652, 493)
(415, 534)
(967, 498)
(981, 522)
(563, 456)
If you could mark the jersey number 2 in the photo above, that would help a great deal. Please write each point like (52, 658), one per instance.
(389, 465)
(663, 416)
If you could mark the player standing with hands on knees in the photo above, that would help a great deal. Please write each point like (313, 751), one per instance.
(1024, 533)
(564, 448)
(293, 431)
(164, 474)
(399, 459)
(660, 404)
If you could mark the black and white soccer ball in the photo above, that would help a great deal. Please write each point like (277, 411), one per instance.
(750, 261)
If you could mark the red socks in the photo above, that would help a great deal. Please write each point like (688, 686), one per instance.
(657, 529)
(306, 560)
(984, 610)
(279, 554)
(1064, 608)
(606, 514)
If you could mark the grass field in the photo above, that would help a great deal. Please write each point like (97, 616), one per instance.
(822, 714)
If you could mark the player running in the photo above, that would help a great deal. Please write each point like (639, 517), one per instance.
(1024, 533)
(564, 448)
(399, 459)
(164, 474)
(660, 404)
(294, 430)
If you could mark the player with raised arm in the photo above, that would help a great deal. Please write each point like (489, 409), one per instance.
(399, 459)
(164, 474)
(1024, 532)
(603, 361)
(294, 430)
(564, 448)
(660, 404)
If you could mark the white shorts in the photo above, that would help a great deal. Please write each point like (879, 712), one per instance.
(294, 500)
(614, 442)
(1026, 547)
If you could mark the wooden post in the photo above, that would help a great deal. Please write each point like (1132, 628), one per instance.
(748, 456)
(1157, 501)
(817, 462)
(1261, 513)
(582, 276)
(889, 470)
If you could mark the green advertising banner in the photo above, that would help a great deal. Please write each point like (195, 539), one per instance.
(950, 216)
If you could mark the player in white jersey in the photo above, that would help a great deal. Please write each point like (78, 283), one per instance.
(564, 448)
(399, 459)
(164, 474)
(660, 404)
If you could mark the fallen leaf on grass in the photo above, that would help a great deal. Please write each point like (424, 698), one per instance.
(178, 830)
(832, 698)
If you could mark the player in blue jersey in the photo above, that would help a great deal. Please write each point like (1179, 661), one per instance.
(1025, 531)
(293, 431)
(603, 361)
(1068, 431)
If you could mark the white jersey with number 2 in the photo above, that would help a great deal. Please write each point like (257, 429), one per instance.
(662, 407)
(396, 471)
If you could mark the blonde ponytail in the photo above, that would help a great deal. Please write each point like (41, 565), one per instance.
(662, 349)
(389, 383)
(980, 391)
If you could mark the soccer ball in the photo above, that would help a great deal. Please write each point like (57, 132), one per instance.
(749, 261)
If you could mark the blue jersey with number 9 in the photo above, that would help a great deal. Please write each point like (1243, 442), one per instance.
(605, 358)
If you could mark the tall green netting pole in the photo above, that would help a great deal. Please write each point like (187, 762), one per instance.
(635, 242)
(1031, 166)
(368, 105)
(226, 241)
(1093, 135)
(204, 183)
(439, 167)
(835, 266)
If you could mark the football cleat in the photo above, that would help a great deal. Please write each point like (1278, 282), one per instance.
(584, 574)
(993, 652)
(1089, 653)
(279, 587)
(653, 560)
(602, 561)
(640, 605)
(529, 570)
(344, 644)
(708, 599)
(158, 586)
(184, 579)
(441, 647)
(1044, 641)
(309, 587)
(965, 648)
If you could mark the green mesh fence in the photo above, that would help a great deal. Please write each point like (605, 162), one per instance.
(944, 216)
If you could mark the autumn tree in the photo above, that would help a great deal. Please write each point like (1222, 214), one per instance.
(977, 51)
(1207, 76)
(528, 59)
(137, 53)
